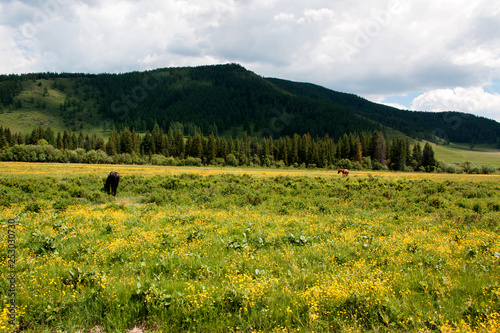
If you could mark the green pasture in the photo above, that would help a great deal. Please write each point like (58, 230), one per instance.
(228, 250)
(481, 154)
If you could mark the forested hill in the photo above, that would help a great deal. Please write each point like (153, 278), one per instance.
(226, 99)
(452, 126)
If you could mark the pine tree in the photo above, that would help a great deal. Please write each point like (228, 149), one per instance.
(74, 141)
(416, 156)
(3, 141)
(378, 148)
(345, 149)
(66, 140)
(112, 146)
(59, 141)
(288, 151)
(220, 142)
(230, 146)
(397, 155)
(147, 145)
(428, 160)
(294, 153)
(81, 140)
(20, 139)
(48, 135)
(179, 144)
(99, 144)
(126, 141)
(87, 144)
(9, 137)
(211, 149)
(357, 151)
(136, 141)
(197, 146)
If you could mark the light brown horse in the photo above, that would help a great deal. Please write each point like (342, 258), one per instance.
(345, 172)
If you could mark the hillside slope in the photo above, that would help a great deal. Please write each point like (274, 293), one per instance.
(223, 98)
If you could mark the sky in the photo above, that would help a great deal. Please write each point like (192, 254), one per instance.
(429, 55)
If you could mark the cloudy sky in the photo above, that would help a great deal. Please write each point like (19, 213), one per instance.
(422, 55)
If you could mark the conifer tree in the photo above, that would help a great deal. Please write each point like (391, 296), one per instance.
(81, 140)
(74, 141)
(147, 144)
(99, 143)
(126, 141)
(197, 146)
(230, 146)
(357, 150)
(112, 146)
(3, 142)
(179, 144)
(59, 141)
(416, 156)
(211, 149)
(428, 160)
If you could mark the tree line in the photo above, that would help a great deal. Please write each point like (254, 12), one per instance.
(365, 151)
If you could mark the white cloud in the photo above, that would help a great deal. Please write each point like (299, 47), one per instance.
(15, 56)
(318, 14)
(284, 17)
(386, 48)
(470, 100)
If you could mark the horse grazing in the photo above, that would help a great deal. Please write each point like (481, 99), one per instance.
(112, 183)
(345, 172)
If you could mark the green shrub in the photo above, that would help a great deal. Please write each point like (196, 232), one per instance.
(33, 207)
(61, 205)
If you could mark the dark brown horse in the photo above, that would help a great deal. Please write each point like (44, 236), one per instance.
(345, 172)
(112, 183)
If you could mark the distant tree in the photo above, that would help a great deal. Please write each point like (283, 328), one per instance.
(221, 144)
(81, 140)
(36, 134)
(179, 144)
(9, 137)
(176, 127)
(356, 150)
(99, 144)
(211, 149)
(3, 141)
(378, 148)
(197, 146)
(49, 136)
(397, 155)
(428, 160)
(345, 147)
(416, 156)
(112, 146)
(294, 149)
(66, 140)
(147, 145)
(126, 141)
(230, 146)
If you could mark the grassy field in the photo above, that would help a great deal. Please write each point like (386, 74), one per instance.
(40, 106)
(463, 153)
(250, 250)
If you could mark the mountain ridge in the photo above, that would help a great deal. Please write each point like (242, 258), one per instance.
(225, 98)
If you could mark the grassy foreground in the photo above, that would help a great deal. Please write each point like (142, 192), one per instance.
(215, 250)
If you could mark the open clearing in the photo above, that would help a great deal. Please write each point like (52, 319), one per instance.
(462, 153)
(250, 250)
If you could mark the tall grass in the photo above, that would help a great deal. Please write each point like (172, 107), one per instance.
(243, 253)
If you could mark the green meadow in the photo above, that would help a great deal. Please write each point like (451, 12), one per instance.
(249, 250)
(480, 154)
